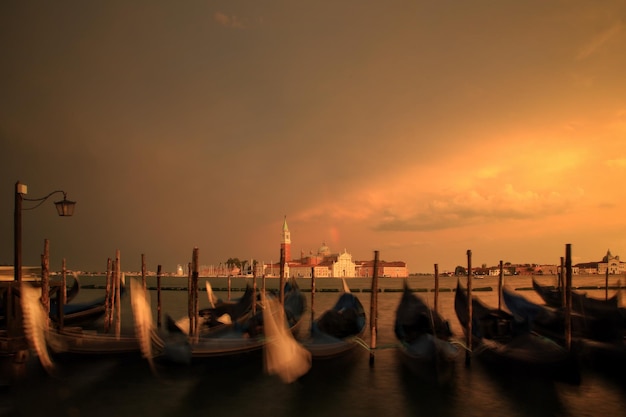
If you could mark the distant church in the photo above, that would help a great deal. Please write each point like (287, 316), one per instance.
(609, 262)
(325, 264)
(612, 264)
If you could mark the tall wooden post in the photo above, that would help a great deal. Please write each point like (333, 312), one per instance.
(196, 275)
(468, 352)
(263, 288)
(64, 276)
(254, 289)
(159, 296)
(606, 283)
(143, 270)
(229, 285)
(568, 296)
(190, 297)
(108, 296)
(436, 302)
(63, 294)
(500, 285)
(312, 294)
(282, 276)
(17, 232)
(562, 284)
(45, 276)
(118, 287)
(374, 309)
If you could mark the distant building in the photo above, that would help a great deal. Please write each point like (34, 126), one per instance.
(584, 268)
(517, 269)
(609, 262)
(395, 269)
(325, 264)
(612, 264)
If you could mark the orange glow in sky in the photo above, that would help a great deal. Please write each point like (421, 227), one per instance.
(410, 128)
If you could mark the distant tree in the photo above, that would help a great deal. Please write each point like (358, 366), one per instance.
(229, 263)
(232, 263)
(459, 270)
(484, 266)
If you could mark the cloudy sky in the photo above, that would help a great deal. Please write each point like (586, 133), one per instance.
(420, 129)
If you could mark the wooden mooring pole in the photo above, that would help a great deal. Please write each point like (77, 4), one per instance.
(568, 296)
(159, 296)
(281, 298)
(108, 304)
(374, 309)
(192, 293)
(312, 294)
(436, 295)
(45, 276)
(189, 299)
(194, 278)
(263, 287)
(468, 352)
(63, 294)
(118, 305)
(254, 290)
(606, 283)
(562, 283)
(500, 285)
(143, 270)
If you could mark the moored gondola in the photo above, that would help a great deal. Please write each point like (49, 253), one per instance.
(237, 338)
(582, 303)
(599, 343)
(506, 345)
(427, 346)
(339, 329)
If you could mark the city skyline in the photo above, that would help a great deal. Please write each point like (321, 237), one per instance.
(417, 129)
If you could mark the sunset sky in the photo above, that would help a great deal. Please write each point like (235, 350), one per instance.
(420, 129)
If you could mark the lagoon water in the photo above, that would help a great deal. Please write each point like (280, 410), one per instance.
(116, 387)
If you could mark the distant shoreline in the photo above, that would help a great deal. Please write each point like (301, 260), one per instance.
(422, 283)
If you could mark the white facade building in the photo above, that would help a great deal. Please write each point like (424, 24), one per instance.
(343, 266)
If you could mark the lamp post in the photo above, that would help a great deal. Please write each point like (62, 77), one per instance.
(64, 208)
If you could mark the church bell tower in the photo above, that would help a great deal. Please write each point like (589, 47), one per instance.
(285, 245)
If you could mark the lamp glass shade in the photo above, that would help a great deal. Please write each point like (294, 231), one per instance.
(65, 207)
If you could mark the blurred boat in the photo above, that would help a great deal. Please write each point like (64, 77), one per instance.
(51, 343)
(240, 337)
(505, 345)
(599, 343)
(550, 321)
(339, 329)
(426, 344)
(76, 341)
(582, 303)
(71, 293)
(82, 314)
(221, 314)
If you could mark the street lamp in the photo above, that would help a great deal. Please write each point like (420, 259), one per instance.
(64, 207)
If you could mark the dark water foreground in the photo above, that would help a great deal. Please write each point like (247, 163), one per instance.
(350, 386)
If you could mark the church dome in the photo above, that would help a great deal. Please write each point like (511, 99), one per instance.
(323, 250)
